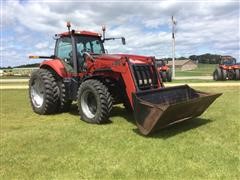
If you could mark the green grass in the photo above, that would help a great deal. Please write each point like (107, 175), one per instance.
(200, 81)
(63, 147)
(201, 70)
(14, 84)
(191, 81)
(14, 77)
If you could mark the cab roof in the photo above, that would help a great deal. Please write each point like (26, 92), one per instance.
(77, 32)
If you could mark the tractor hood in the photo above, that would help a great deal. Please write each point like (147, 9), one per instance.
(115, 57)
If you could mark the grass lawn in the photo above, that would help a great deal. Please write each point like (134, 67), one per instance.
(14, 84)
(201, 70)
(63, 147)
(200, 81)
(14, 77)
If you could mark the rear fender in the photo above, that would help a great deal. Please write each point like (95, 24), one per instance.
(56, 65)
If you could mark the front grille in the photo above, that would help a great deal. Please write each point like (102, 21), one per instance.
(145, 76)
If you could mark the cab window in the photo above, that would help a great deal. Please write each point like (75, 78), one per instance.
(64, 48)
(97, 47)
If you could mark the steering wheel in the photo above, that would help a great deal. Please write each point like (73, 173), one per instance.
(86, 50)
(87, 54)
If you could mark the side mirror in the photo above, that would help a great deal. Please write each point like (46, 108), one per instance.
(123, 41)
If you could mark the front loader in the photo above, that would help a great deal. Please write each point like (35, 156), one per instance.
(80, 70)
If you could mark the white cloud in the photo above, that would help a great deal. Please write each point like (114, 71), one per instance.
(203, 26)
(42, 45)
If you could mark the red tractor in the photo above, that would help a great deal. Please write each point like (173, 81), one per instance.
(164, 70)
(227, 69)
(80, 70)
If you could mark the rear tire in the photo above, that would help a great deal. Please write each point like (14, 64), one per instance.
(43, 92)
(217, 74)
(94, 102)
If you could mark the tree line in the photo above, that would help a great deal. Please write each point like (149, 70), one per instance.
(204, 58)
(22, 66)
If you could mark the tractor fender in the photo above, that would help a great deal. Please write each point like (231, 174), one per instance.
(56, 65)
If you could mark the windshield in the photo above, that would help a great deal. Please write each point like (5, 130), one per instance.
(229, 62)
(90, 44)
(160, 63)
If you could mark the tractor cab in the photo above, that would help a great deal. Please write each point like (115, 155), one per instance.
(227, 61)
(73, 47)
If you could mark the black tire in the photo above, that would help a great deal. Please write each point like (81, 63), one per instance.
(217, 74)
(237, 74)
(64, 103)
(43, 92)
(169, 76)
(164, 76)
(224, 74)
(94, 102)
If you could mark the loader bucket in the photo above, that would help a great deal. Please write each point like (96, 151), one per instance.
(156, 109)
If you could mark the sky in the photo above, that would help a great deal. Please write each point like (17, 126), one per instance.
(28, 26)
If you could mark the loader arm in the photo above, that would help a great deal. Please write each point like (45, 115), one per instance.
(137, 76)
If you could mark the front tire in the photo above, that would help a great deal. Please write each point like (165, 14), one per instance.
(43, 92)
(94, 102)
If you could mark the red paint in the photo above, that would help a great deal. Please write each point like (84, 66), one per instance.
(89, 33)
(56, 65)
(163, 68)
(117, 63)
(229, 67)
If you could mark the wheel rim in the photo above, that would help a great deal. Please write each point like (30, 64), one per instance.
(89, 104)
(37, 93)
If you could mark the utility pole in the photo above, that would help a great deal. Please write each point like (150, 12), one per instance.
(173, 47)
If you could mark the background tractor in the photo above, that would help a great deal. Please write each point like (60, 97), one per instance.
(227, 69)
(80, 70)
(164, 70)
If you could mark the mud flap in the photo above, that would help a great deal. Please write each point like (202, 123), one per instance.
(156, 109)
